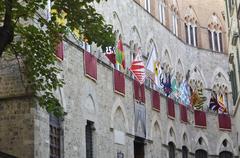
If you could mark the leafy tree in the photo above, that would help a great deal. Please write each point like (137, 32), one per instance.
(27, 34)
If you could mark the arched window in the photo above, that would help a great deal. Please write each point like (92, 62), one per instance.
(162, 6)
(191, 34)
(201, 154)
(171, 150)
(225, 154)
(215, 34)
(191, 26)
(219, 95)
(148, 5)
(184, 152)
(175, 22)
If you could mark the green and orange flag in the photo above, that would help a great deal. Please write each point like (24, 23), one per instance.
(120, 59)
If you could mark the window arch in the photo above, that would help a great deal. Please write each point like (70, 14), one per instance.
(175, 20)
(171, 150)
(219, 94)
(215, 34)
(191, 27)
(162, 11)
(197, 85)
(184, 152)
(225, 154)
(201, 154)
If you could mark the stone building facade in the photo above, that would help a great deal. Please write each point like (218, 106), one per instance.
(233, 17)
(101, 123)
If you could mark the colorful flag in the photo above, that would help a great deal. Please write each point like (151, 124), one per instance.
(120, 59)
(151, 63)
(175, 89)
(137, 68)
(197, 99)
(213, 105)
(110, 54)
(185, 93)
(222, 107)
(167, 84)
(157, 72)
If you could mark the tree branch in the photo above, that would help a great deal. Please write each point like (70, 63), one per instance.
(7, 30)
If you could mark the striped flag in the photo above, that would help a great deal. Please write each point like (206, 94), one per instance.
(213, 105)
(120, 59)
(197, 99)
(222, 107)
(137, 68)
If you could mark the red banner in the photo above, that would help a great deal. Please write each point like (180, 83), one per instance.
(171, 108)
(183, 113)
(90, 66)
(200, 119)
(119, 82)
(139, 91)
(59, 51)
(155, 100)
(224, 121)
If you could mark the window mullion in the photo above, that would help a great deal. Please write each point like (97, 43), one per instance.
(218, 41)
(189, 34)
(194, 36)
(213, 43)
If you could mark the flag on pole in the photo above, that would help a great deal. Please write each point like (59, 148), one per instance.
(137, 68)
(120, 59)
(110, 54)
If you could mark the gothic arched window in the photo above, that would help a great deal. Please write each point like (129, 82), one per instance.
(191, 27)
(162, 13)
(215, 34)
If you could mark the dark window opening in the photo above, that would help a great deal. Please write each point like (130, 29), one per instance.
(220, 42)
(138, 147)
(55, 137)
(5, 155)
(186, 30)
(201, 154)
(89, 139)
(210, 39)
(171, 150)
(196, 36)
(225, 143)
(184, 152)
(215, 40)
(225, 154)
(200, 141)
(191, 35)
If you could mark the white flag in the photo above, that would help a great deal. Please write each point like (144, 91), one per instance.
(151, 60)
